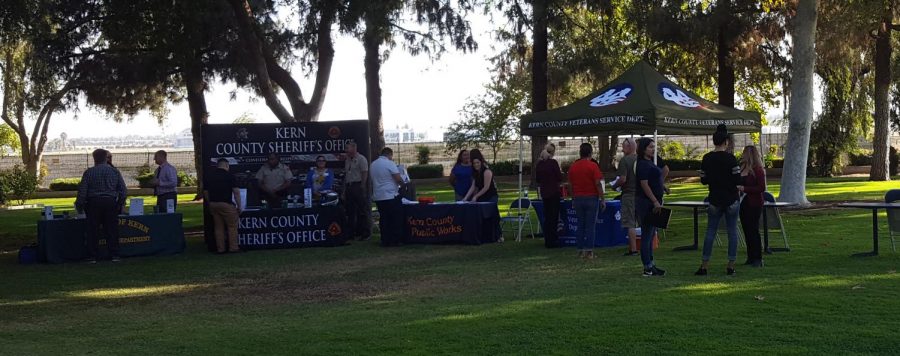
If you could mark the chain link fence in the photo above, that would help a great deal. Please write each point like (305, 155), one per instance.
(130, 162)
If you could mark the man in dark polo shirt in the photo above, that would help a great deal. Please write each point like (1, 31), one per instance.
(224, 198)
(101, 195)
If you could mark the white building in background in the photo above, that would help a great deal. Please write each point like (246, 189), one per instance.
(403, 135)
(184, 139)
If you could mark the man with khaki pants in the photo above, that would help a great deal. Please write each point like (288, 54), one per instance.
(219, 189)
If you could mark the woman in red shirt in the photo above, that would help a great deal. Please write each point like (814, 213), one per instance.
(753, 178)
(587, 198)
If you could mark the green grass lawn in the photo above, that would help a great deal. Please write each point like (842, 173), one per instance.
(510, 298)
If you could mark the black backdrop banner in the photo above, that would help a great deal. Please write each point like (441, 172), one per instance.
(246, 146)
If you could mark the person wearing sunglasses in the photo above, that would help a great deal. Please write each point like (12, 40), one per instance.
(320, 178)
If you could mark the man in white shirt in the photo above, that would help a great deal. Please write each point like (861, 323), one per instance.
(386, 182)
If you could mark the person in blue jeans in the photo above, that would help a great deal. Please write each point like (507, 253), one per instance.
(587, 199)
(648, 200)
(721, 172)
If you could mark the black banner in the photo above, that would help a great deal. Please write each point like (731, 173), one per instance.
(142, 235)
(451, 223)
(291, 228)
(246, 146)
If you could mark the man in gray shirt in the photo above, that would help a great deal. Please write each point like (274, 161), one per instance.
(356, 198)
(628, 183)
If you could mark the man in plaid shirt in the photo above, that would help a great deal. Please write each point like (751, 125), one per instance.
(101, 195)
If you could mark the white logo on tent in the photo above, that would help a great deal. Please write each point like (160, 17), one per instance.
(677, 96)
(614, 95)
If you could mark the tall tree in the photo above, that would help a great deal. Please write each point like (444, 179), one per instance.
(889, 11)
(384, 22)
(744, 34)
(793, 180)
(39, 78)
(260, 31)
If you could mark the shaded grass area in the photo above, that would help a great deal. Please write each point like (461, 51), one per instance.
(492, 299)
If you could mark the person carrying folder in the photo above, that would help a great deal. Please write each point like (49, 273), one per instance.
(648, 201)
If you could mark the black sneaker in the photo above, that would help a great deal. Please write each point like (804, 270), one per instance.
(758, 263)
(701, 272)
(658, 272)
(631, 253)
(91, 261)
(729, 271)
(748, 262)
(648, 272)
(116, 259)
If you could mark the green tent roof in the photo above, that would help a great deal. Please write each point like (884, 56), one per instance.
(640, 101)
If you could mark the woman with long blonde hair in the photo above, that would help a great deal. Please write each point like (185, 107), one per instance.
(753, 180)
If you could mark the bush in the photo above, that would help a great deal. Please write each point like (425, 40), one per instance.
(17, 185)
(860, 158)
(510, 168)
(184, 179)
(683, 164)
(65, 184)
(144, 179)
(425, 171)
(423, 155)
(771, 156)
(672, 150)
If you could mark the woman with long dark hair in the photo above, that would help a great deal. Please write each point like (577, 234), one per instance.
(549, 176)
(648, 200)
(721, 172)
(461, 175)
(753, 177)
(483, 188)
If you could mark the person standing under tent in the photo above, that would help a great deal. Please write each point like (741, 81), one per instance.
(461, 175)
(355, 196)
(648, 200)
(386, 181)
(101, 195)
(549, 176)
(721, 172)
(753, 177)
(224, 197)
(165, 182)
(628, 183)
(586, 181)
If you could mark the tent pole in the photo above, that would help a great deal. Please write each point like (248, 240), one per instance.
(518, 203)
(657, 147)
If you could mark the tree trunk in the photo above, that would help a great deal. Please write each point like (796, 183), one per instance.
(196, 98)
(539, 76)
(881, 144)
(256, 57)
(606, 151)
(793, 179)
(372, 45)
(726, 65)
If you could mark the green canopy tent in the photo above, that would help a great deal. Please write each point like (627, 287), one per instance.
(640, 101)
